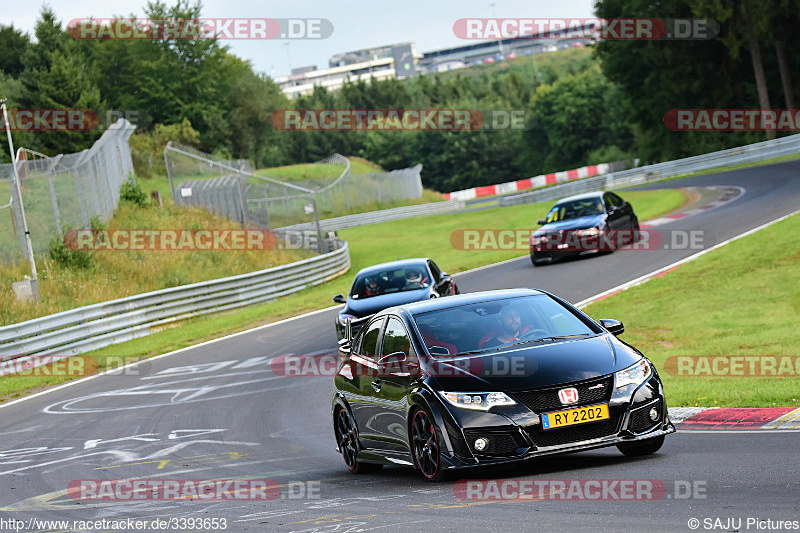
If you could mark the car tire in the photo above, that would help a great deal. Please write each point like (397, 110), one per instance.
(425, 449)
(536, 263)
(634, 230)
(347, 440)
(637, 449)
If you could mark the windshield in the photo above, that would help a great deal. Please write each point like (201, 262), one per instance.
(575, 209)
(499, 324)
(408, 278)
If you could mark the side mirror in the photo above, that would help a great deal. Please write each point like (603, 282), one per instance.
(614, 327)
(346, 342)
(541, 222)
(344, 348)
(339, 299)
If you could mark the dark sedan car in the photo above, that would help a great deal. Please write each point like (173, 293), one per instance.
(388, 284)
(489, 378)
(584, 224)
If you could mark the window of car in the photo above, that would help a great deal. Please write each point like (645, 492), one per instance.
(614, 200)
(435, 272)
(369, 345)
(575, 209)
(473, 327)
(395, 338)
(376, 283)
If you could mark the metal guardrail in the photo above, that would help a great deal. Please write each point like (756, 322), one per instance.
(375, 217)
(750, 153)
(95, 326)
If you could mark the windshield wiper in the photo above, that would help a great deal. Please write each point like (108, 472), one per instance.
(554, 338)
(473, 352)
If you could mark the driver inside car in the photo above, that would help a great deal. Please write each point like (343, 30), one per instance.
(371, 287)
(413, 280)
(511, 329)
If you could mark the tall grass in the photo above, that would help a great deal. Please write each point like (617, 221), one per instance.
(116, 274)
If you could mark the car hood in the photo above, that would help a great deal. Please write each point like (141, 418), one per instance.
(574, 223)
(370, 306)
(534, 366)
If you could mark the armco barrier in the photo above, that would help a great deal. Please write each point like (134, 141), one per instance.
(95, 326)
(537, 181)
(750, 153)
(374, 217)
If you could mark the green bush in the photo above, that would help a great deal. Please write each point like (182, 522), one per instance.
(607, 154)
(132, 192)
(68, 258)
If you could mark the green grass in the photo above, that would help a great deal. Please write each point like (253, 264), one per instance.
(311, 171)
(116, 274)
(330, 204)
(742, 299)
(423, 236)
(560, 62)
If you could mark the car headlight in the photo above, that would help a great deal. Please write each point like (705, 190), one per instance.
(479, 401)
(591, 232)
(633, 375)
(343, 318)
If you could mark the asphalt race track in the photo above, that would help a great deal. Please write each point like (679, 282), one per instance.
(217, 411)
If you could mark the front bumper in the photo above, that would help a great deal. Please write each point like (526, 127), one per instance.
(454, 462)
(517, 436)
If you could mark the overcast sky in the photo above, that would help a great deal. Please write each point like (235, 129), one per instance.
(356, 24)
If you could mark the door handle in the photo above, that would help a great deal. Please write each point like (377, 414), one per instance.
(376, 385)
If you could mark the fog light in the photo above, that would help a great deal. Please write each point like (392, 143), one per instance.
(481, 444)
(653, 414)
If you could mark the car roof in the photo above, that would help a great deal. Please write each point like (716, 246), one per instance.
(417, 261)
(435, 304)
(584, 196)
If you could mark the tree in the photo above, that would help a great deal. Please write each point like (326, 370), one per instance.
(13, 45)
(57, 75)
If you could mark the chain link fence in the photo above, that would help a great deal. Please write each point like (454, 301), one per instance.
(323, 190)
(64, 191)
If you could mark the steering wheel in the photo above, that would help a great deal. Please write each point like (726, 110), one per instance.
(531, 332)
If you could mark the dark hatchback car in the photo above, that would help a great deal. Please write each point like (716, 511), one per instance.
(489, 378)
(584, 224)
(388, 284)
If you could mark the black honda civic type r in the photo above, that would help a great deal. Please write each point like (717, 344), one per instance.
(489, 378)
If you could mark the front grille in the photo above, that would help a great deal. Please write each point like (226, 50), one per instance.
(567, 435)
(640, 418)
(499, 443)
(543, 400)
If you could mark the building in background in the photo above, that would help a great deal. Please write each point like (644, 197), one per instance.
(402, 61)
